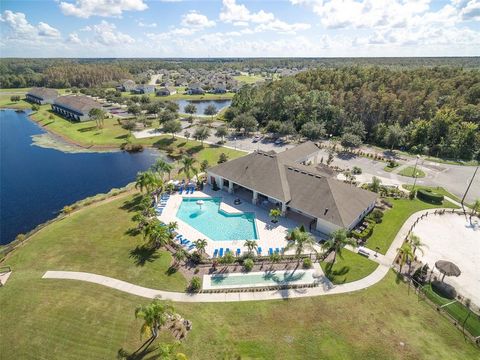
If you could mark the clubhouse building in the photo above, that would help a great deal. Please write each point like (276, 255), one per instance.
(41, 95)
(75, 107)
(293, 181)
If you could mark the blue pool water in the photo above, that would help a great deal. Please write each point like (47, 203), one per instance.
(215, 223)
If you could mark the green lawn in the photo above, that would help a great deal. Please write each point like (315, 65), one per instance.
(64, 319)
(389, 169)
(180, 96)
(410, 172)
(456, 310)
(248, 79)
(436, 189)
(385, 232)
(350, 268)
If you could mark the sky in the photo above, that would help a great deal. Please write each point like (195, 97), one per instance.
(239, 28)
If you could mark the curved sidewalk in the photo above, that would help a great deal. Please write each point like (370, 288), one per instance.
(325, 288)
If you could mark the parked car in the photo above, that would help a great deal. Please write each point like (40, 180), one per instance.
(257, 138)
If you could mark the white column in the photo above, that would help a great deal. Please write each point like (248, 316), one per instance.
(255, 198)
(230, 187)
(284, 208)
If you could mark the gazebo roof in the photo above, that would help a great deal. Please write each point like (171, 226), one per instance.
(448, 268)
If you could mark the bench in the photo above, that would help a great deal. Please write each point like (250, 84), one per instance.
(363, 252)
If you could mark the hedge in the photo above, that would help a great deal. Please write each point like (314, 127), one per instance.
(429, 196)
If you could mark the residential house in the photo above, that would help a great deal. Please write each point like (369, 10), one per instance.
(291, 181)
(41, 95)
(166, 91)
(127, 85)
(195, 89)
(144, 89)
(219, 89)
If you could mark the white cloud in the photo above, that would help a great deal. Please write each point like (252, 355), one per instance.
(147, 25)
(471, 11)
(73, 38)
(282, 27)
(46, 30)
(107, 34)
(196, 20)
(20, 28)
(239, 14)
(105, 8)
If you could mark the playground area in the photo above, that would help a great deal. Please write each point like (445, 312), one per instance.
(456, 238)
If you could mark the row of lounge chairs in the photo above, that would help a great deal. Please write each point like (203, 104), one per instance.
(220, 252)
(187, 189)
(277, 251)
(184, 242)
(162, 203)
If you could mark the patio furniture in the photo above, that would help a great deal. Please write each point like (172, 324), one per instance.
(270, 251)
(227, 250)
(277, 251)
(238, 252)
(259, 251)
(447, 268)
(215, 253)
(220, 253)
(363, 252)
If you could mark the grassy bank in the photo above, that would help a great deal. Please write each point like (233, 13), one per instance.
(410, 171)
(385, 232)
(350, 267)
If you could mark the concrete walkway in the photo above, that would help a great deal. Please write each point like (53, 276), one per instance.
(325, 287)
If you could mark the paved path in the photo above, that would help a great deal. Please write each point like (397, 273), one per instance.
(325, 287)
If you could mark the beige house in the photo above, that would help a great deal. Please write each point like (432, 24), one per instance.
(295, 182)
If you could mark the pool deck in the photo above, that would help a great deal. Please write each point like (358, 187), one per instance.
(269, 235)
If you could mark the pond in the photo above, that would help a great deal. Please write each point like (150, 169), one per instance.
(36, 182)
(201, 105)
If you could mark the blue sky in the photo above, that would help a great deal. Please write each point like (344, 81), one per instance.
(239, 28)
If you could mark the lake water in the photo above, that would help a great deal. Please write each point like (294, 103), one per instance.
(36, 183)
(201, 105)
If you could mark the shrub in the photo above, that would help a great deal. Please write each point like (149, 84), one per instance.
(429, 196)
(412, 194)
(195, 284)
(223, 158)
(376, 215)
(365, 234)
(248, 265)
(307, 263)
(356, 170)
(132, 147)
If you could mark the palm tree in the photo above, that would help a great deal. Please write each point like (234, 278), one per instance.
(336, 242)
(475, 208)
(187, 166)
(147, 181)
(375, 185)
(416, 243)
(406, 254)
(162, 167)
(275, 213)
(251, 245)
(154, 315)
(274, 258)
(201, 244)
(301, 241)
(156, 235)
(141, 220)
(179, 256)
(172, 226)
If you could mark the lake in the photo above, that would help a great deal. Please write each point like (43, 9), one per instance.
(201, 105)
(36, 183)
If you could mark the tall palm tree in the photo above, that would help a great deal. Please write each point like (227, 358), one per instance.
(336, 242)
(201, 244)
(154, 315)
(251, 245)
(172, 226)
(475, 208)
(148, 181)
(156, 235)
(416, 243)
(162, 167)
(406, 254)
(188, 166)
(179, 256)
(301, 241)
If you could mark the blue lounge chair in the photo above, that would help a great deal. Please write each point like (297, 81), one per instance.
(192, 190)
(270, 251)
(191, 247)
(180, 190)
(227, 250)
(220, 253)
(238, 252)
(178, 236)
(277, 251)
(259, 251)
(215, 253)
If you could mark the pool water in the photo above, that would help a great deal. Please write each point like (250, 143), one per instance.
(267, 278)
(215, 223)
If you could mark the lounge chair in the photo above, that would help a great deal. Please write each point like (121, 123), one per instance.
(238, 252)
(270, 251)
(215, 253)
(191, 247)
(277, 251)
(220, 253)
(259, 251)
(179, 236)
(180, 190)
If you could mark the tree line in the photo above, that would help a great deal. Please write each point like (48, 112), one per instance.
(434, 111)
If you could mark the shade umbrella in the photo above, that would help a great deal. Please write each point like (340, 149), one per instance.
(447, 268)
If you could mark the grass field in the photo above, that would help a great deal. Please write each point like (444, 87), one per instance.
(436, 189)
(350, 268)
(456, 310)
(389, 169)
(180, 96)
(384, 233)
(248, 79)
(63, 319)
(409, 172)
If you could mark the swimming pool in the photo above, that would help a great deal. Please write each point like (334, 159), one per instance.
(267, 278)
(215, 223)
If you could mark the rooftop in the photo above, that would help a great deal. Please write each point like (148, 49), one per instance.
(79, 103)
(42, 93)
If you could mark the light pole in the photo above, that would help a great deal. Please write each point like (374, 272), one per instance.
(468, 187)
(415, 174)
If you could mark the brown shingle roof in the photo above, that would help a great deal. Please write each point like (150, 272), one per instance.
(306, 188)
(43, 93)
(80, 103)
